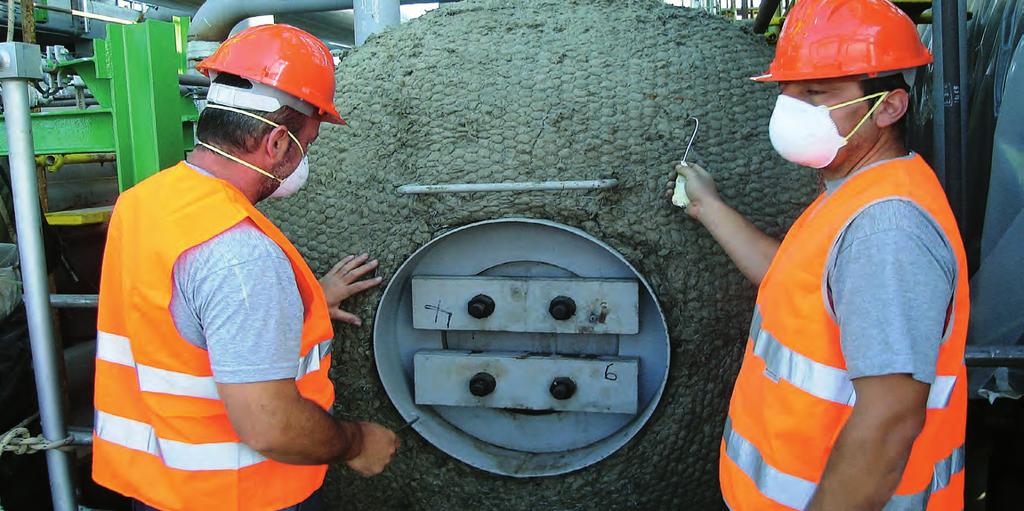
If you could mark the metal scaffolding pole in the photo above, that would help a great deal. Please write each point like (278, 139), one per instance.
(19, 64)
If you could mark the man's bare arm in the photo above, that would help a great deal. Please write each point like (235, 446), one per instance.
(750, 249)
(871, 452)
(275, 420)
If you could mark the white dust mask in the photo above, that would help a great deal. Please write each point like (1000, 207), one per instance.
(293, 182)
(806, 134)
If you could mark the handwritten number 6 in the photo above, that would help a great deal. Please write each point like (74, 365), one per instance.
(608, 375)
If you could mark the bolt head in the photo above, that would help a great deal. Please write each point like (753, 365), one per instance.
(480, 306)
(562, 308)
(562, 388)
(482, 384)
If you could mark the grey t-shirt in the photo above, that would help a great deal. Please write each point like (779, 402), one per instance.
(891, 277)
(235, 296)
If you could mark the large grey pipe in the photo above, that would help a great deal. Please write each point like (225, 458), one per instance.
(214, 20)
(29, 221)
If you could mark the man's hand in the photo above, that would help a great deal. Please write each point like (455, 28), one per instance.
(342, 282)
(700, 188)
(379, 446)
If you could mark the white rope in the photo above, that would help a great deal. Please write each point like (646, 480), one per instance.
(20, 441)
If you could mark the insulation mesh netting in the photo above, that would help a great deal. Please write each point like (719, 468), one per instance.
(501, 91)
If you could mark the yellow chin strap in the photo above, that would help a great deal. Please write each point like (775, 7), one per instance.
(881, 97)
(239, 161)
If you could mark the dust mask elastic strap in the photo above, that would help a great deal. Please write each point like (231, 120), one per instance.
(881, 97)
(239, 161)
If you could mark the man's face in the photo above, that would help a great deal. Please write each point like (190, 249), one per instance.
(833, 92)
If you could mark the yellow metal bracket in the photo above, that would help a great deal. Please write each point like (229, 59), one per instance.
(85, 216)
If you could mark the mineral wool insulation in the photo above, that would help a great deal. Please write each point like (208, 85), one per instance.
(499, 90)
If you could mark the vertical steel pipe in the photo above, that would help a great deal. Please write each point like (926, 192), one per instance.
(372, 16)
(765, 13)
(949, 92)
(29, 222)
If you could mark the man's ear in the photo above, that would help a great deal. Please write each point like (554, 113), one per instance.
(892, 109)
(277, 143)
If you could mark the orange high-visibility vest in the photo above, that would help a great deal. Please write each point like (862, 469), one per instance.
(162, 434)
(793, 396)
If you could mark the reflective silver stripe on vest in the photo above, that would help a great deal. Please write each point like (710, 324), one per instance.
(140, 436)
(822, 380)
(118, 350)
(943, 472)
(311, 362)
(796, 492)
(779, 486)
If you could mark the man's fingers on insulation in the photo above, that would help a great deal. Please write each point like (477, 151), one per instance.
(345, 317)
(354, 262)
(359, 271)
(337, 266)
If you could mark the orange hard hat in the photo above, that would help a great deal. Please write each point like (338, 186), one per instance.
(283, 57)
(835, 38)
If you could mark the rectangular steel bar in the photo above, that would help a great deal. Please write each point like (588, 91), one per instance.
(523, 381)
(602, 306)
(995, 356)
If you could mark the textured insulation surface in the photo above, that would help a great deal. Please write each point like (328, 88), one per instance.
(496, 90)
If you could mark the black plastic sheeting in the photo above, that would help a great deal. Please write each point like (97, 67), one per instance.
(994, 180)
(998, 285)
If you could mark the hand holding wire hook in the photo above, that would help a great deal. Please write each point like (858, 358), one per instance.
(679, 197)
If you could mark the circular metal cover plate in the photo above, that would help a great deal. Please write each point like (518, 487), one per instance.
(512, 442)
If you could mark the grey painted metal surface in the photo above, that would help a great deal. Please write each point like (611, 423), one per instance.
(603, 306)
(372, 16)
(529, 186)
(507, 441)
(522, 381)
(28, 218)
(21, 61)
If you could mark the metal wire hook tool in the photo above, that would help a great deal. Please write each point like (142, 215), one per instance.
(696, 126)
(408, 446)
(679, 197)
(408, 424)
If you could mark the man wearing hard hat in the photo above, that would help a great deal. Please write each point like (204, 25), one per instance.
(214, 340)
(852, 392)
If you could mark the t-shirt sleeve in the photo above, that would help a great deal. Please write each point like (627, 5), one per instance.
(249, 308)
(891, 282)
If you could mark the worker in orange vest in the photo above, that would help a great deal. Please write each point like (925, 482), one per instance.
(852, 391)
(214, 342)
